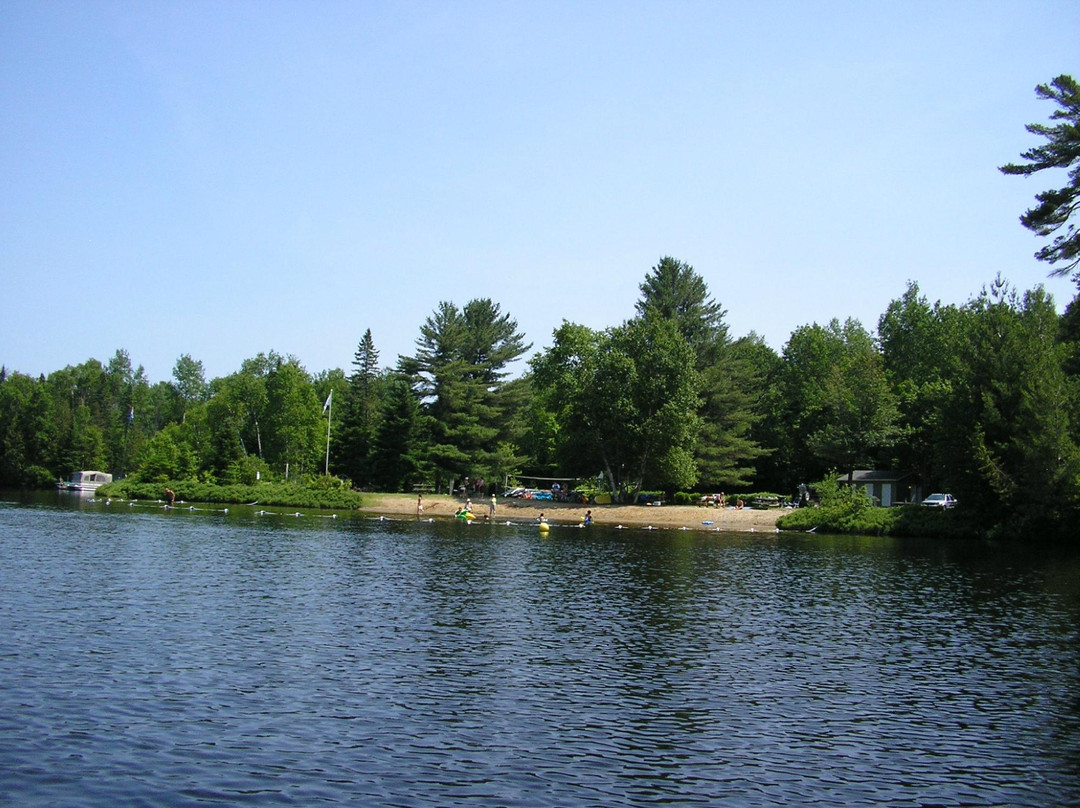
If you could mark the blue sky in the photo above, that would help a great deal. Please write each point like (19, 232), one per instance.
(225, 178)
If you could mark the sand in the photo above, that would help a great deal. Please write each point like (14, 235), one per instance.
(663, 516)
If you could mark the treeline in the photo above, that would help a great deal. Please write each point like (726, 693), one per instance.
(979, 399)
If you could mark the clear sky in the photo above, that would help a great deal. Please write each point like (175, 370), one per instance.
(225, 178)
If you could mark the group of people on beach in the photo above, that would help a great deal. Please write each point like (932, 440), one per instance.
(720, 501)
(463, 511)
(466, 511)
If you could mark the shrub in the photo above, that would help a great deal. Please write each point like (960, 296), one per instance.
(847, 509)
(38, 477)
(321, 494)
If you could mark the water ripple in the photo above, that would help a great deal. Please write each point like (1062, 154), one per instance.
(151, 660)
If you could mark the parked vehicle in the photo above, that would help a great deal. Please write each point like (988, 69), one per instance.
(940, 501)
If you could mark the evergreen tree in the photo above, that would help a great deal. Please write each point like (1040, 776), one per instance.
(396, 463)
(1009, 455)
(459, 373)
(674, 291)
(26, 431)
(725, 448)
(361, 416)
(1061, 150)
(729, 451)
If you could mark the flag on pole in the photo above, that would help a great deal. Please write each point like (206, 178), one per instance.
(326, 406)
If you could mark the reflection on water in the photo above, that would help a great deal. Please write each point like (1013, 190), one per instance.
(209, 658)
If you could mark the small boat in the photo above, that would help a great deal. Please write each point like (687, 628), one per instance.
(85, 481)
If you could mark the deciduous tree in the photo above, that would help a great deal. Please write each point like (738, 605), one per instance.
(626, 402)
(294, 434)
(832, 405)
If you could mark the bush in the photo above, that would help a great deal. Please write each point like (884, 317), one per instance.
(316, 493)
(38, 477)
(648, 496)
(842, 519)
(245, 470)
(915, 520)
(843, 509)
(847, 509)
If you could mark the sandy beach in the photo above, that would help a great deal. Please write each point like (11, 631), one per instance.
(674, 517)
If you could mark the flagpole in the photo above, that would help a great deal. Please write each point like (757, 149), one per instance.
(329, 415)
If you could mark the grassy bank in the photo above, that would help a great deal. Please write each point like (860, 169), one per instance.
(848, 510)
(319, 492)
(908, 520)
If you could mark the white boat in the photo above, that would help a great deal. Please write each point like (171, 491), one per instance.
(85, 481)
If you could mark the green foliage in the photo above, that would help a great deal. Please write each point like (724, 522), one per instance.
(842, 509)
(168, 455)
(26, 429)
(907, 520)
(727, 449)
(626, 402)
(190, 380)
(317, 491)
(245, 470)
(674, 291)
(396, 461)
(921, 362)
(1010, 451)
(294, 436)
(37, 477)
(1061, 151)
(831, 401)
(832, 493)
(459, 374)
(981, 400)
(361, 414)
(729, 376)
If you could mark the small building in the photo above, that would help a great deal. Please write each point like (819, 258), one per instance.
(887, 488)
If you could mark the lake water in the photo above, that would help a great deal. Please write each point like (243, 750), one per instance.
(195, 658)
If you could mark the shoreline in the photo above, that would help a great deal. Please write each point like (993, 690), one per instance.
(672, 517)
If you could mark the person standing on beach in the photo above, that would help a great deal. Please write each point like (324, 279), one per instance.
(491, 507)
(419, 504)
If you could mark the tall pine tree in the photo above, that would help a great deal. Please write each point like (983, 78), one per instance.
(459, 372)
(729, 379)
(362, 412)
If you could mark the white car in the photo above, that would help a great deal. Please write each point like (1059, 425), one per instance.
(940, 501)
